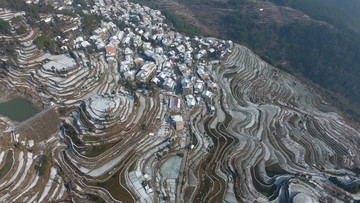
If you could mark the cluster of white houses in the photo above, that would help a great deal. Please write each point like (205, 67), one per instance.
(147, 51)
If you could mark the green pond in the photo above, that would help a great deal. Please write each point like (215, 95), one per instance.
(17, 109)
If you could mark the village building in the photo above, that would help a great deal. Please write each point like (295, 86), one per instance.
(146, 72)
(169, 84)
(190, 101)
(174, 104)
(110, 51)
(202, 74)
(198, 87)
(178, 122)
(207, 95)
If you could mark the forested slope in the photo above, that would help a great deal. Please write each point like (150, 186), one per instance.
(337, 12)
(326, 53)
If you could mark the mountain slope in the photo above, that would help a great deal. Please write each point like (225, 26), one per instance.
(320, 49)
(336, 12)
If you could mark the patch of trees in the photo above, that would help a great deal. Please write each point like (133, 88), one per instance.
(120, 24)
(181, 25)
(71, 132)
(4, 65)
(5, 27)
(52, 29)
(9, 62)
(49, 31)
(8, 49)
(32, 10)
(42, 167)
(44, 42)
(90, 23)
(19, 25)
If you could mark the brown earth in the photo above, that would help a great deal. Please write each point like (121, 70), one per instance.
(41, 126)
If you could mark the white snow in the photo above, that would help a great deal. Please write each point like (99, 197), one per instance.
(61, 193)
(33, 183)
(28, 164)
(33, 198)
(106, 167)
(59, 62)
(48, 184)
(4, 197)
(2, 156)
(102, 104)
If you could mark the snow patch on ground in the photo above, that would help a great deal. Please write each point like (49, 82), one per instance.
(48, 184)
(27, 167)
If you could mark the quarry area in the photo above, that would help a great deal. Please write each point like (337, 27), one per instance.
(130, 110)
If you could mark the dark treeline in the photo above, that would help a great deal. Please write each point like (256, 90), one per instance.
(33, 10)
(49, 30)
(181, 25)
(4, 27)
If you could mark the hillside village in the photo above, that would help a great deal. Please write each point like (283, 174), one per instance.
(145, 51)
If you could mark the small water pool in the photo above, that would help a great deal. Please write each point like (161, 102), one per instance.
(17, 109)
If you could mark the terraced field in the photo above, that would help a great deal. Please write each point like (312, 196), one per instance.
(263, 137)
(272, 138)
